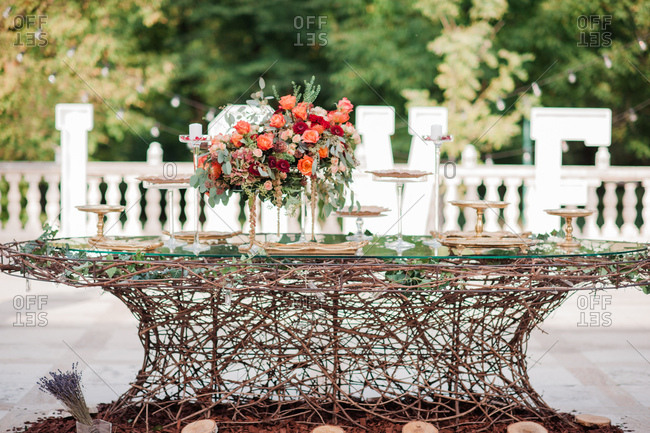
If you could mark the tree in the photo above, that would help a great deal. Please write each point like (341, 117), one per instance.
(474, 74)
(81, 53)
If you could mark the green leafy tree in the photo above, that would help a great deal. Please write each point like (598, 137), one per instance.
(83, 54)
(474, 73)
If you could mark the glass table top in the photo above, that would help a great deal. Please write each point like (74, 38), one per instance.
(376, 248)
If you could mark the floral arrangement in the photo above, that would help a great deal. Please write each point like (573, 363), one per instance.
(297, 144)
(66, 387)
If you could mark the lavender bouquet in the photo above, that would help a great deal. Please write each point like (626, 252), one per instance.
(66, 387)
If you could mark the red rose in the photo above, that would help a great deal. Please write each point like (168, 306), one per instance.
(300, 127)
(272, 162)
(315, 118)
(337, 130)
(253, 170)
(283, 165)
(324, 123)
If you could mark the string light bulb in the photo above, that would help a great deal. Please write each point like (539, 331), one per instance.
(176, 101)
(120, 114)
(51, 78)
(501, 105)
(608, 61)
(139, 88)
(105, 71)
(19, 57)
(154, 131)
(642, 45)
(632, 116)
(572, 77)
(6, 12)
(84, 97)
(210, 115)
(536, 90)
(71, 52)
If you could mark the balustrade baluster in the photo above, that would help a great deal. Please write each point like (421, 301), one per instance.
(511, 213)
(450, 220)
(591, 229)
(645, 212)
(94, 196)
(53, 199)
(113, 226)
(13, 207)
(152, 211)
(33, 206)
(471, 184)
(492, 222)
(629, 230)
(528, 197)
(610, 229)
(132, 225)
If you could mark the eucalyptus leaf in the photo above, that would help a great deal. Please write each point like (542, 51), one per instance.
(262, 83)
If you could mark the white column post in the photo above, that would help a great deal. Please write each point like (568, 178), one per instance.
(74, 121)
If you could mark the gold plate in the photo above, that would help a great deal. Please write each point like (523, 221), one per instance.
(161, 180)
(365, 211)
(479, 204)
(188, 235)
(573, 213)
(100, 208)
(400, 174)
(482, 244)
(314, 248)
(126, 245)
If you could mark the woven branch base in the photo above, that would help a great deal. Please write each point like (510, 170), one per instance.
(430, 341)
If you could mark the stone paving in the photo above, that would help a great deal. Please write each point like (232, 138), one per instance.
(592, 355)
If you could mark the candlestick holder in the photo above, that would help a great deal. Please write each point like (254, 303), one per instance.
(195, 142)
(568, 214)
(438, 139)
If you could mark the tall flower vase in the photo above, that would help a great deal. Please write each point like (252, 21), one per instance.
(99, 426)
(252, 217)
(314, 201)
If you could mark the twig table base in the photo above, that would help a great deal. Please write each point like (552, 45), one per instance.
(332, 339)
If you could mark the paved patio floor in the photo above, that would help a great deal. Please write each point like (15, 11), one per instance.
(592, 355)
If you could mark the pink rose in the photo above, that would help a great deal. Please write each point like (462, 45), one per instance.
(268, 185)
(345, 105)
(258, 153)
(286, 134)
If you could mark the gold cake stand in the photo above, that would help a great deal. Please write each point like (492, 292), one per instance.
(100, 210)
(479, 206)
(568, 215)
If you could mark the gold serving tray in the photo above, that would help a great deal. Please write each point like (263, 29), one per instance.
(161, 180)
(365, 211)
(188, 235)
(314, 248)
(126, 245)
(482, 244)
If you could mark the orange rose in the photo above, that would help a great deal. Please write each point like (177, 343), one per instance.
(318, 128)
(236, 138)
(287, 102)
(310, 136)
(300, 111)
(304, 165)
(338, 116)
(213, 168)
(323, 152)
(277, 121)
(243, 127)
(345, 105)
(265, 141)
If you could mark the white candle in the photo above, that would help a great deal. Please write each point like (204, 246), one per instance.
(436, 132)
(196, 130)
